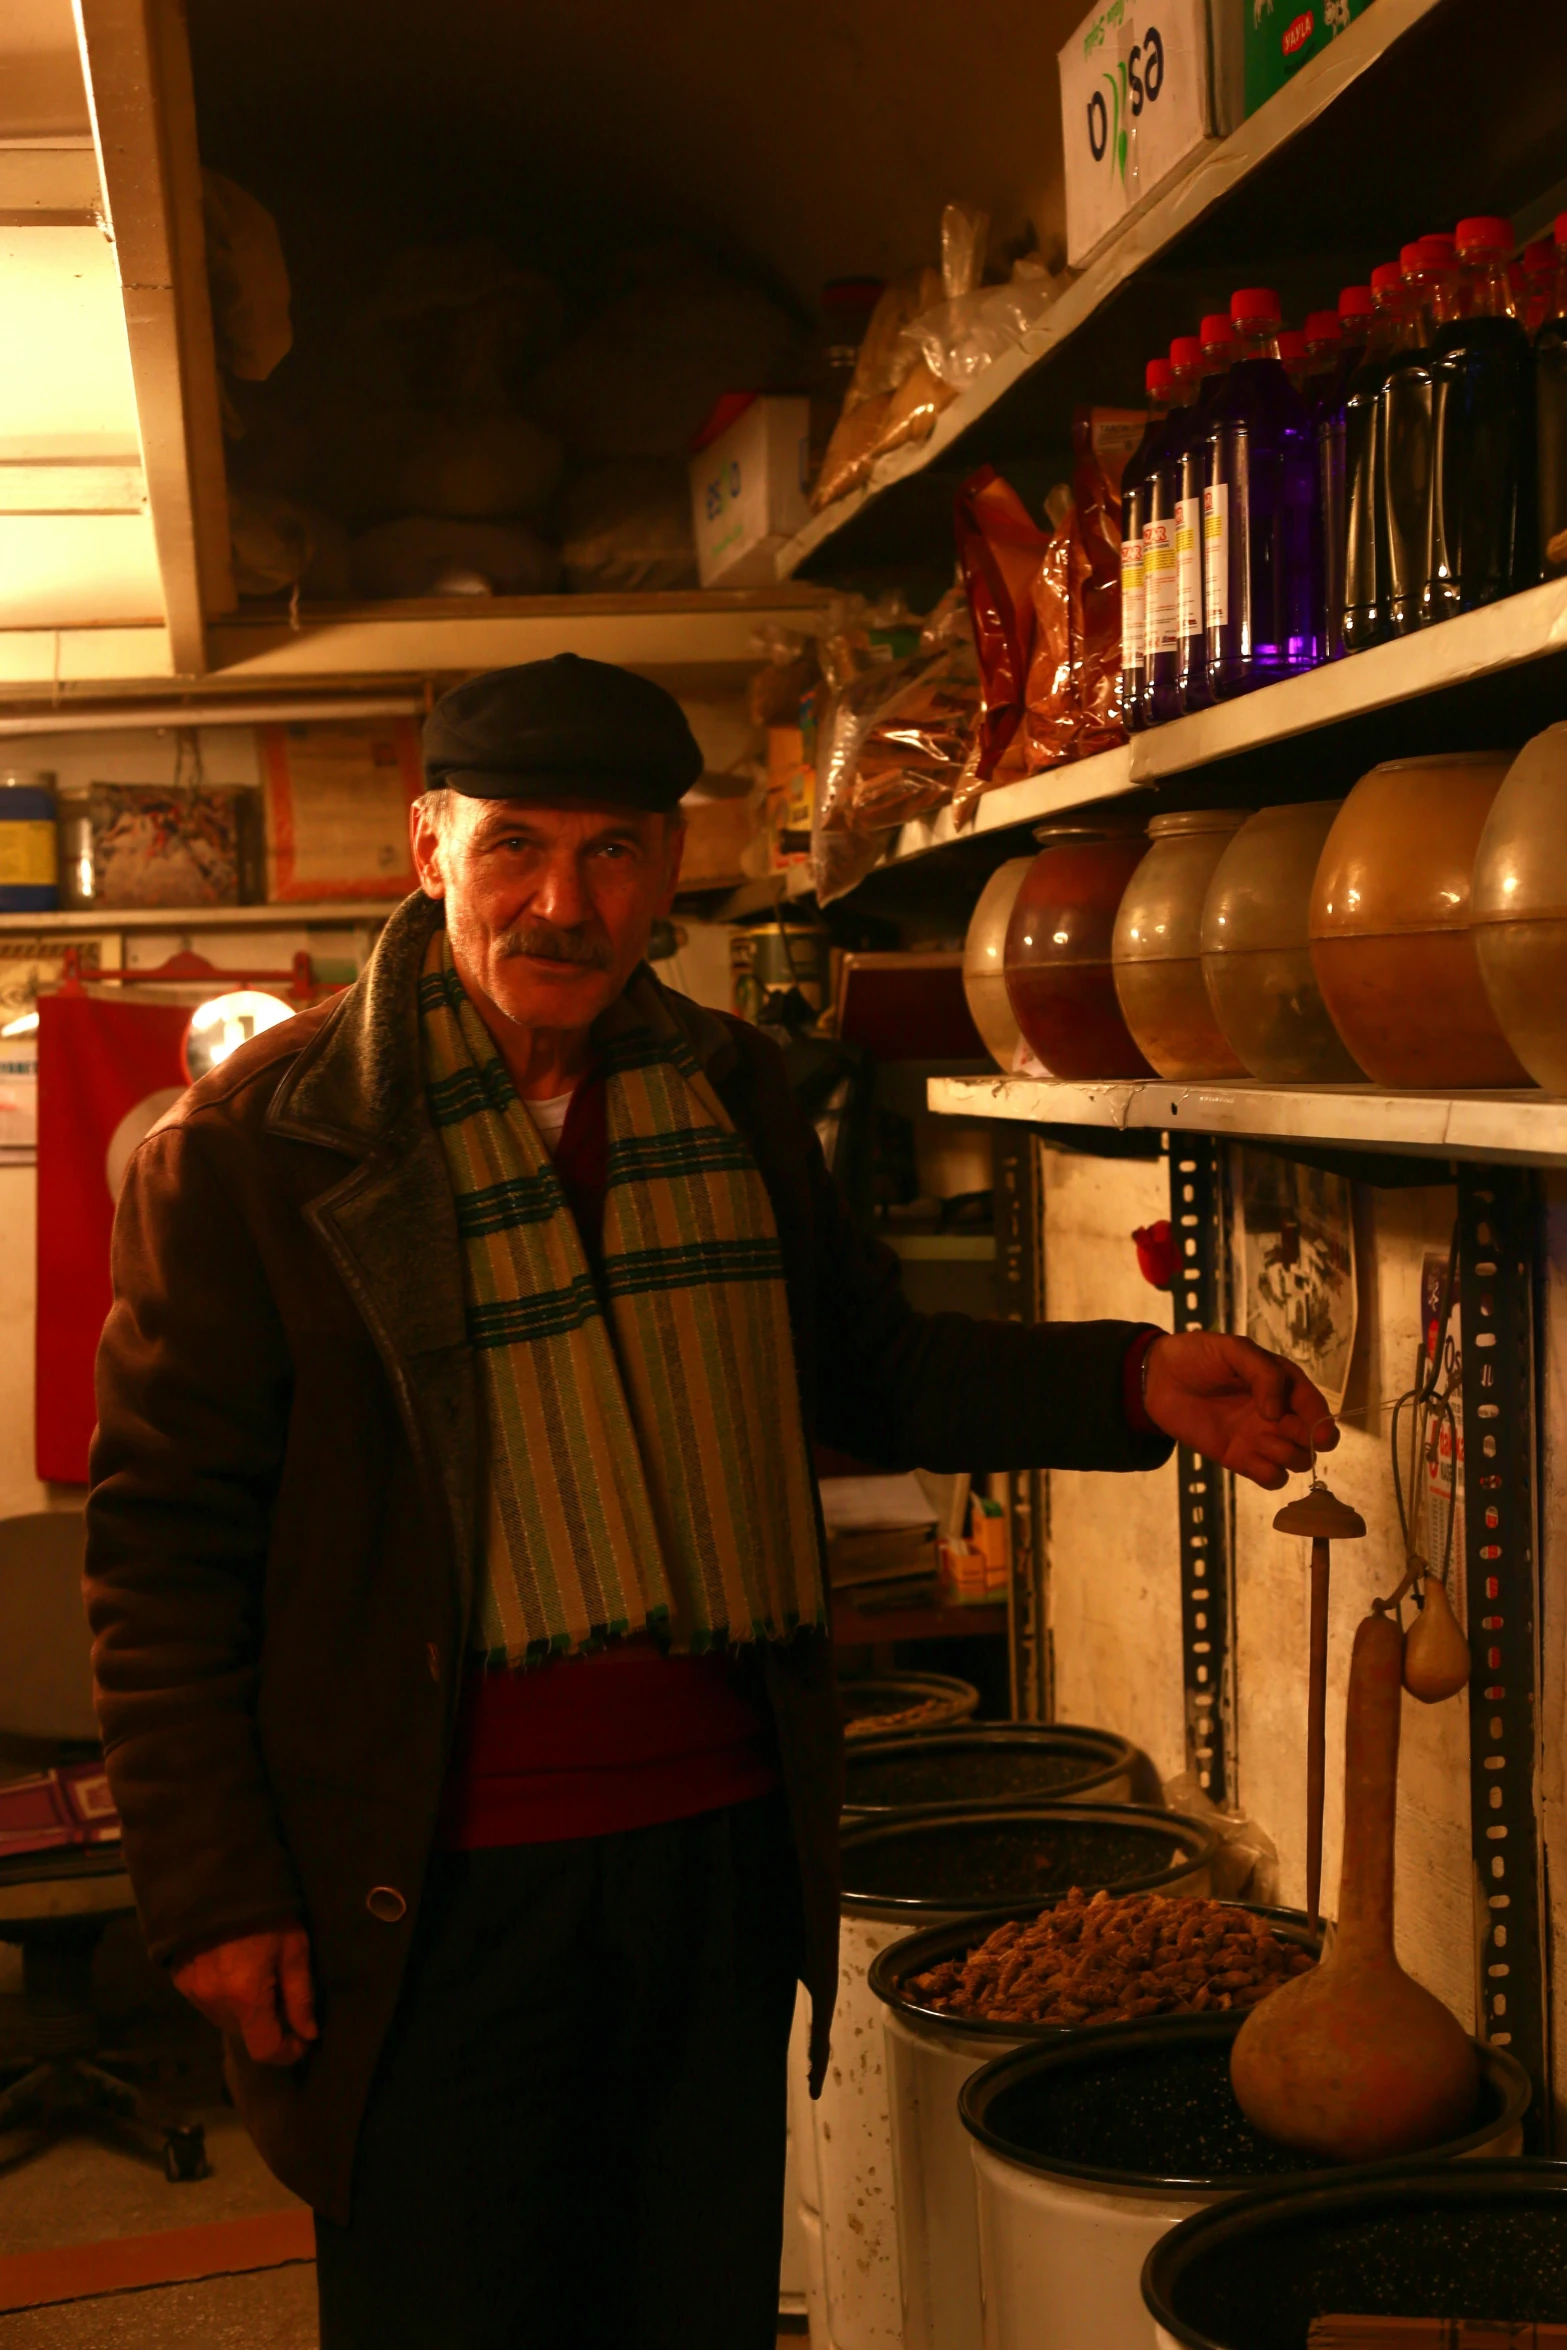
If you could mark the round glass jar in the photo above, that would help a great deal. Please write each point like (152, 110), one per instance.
(1060, 975)
(1391, 943)
(1157, 946)
(1256, 959)
(1518, 914)
(984, 962)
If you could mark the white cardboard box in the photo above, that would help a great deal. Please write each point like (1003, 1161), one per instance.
(748, 492)
(1143, 83)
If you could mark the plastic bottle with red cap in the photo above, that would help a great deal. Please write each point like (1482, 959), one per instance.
(1260, 570)
(1395, 328)
(1550, 392)
(1322, 387)
(1161, 688)
(1159, 383)
(1407, 434)
(1484, 457)
(1533, 277)
(1216, 340)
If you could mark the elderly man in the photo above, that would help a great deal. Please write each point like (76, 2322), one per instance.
(455, 1561)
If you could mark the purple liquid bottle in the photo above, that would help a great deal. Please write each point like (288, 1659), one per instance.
(1217, 342)
(1161, 698)
(1160, 384)
(1259, 514)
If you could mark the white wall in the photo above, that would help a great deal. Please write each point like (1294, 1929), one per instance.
(1114, 1568)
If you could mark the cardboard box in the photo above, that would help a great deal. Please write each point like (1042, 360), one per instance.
(1280, 36)
(1143, 84)
(748, 492)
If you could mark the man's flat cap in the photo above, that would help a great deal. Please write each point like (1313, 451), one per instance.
(561, 731)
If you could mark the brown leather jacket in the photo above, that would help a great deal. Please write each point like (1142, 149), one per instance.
(281, 1531)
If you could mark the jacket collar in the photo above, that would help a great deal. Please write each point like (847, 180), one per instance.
(358, 1086)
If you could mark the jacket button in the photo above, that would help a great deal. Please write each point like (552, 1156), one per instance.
(386, 1903)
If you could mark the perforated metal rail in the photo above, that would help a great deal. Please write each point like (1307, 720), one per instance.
(1199, 1224)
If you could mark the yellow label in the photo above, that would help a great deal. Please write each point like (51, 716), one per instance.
(28, 855)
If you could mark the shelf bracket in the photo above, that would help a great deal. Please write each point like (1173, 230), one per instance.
(1019, 1220)
(1498, 1228)
(1199, 1225)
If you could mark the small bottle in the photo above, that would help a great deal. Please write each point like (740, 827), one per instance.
(29, 843)
(1294, 357)
(1407, 431)
(1550, 385)
(1260, 579)
(1356, 310)
(1161, 694)
(1322, 388)
(1216, 341)
(1484, 456)
(1393, 329)
(1160, 384)
(1533, 280)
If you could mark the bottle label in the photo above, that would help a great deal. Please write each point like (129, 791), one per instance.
(1159, 587)
(1132, 603)
(1216, 553)
(27, 853)
(1188, 568)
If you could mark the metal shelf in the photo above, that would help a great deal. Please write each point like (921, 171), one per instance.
(1520, 1128)
(93, 923)
(1464, 653)
(1215, 172)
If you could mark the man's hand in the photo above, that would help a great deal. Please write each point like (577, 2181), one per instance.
(258, 1990)
(1235, 1403)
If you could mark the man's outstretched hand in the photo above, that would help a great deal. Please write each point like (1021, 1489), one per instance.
(1236, 1404)
(258, 1990)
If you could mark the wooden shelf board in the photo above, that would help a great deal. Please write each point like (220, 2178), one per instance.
(852, 1628)
(1521, 1127)
(90, 922)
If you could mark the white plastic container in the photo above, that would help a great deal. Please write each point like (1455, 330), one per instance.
(1062, 2244)
(910, 1871)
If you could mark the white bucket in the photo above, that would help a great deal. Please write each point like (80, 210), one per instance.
(854, 2140)
(1062, 2251)
(933, 2175)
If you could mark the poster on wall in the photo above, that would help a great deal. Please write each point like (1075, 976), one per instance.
(1298, 1267)
(337, 799)
(106, 1074)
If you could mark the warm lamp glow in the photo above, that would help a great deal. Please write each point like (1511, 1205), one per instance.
(220, 1026)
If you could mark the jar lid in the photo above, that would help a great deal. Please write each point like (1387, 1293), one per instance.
(1188, 820)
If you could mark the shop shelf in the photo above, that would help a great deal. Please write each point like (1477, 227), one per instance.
(89, 922)
(1214, 174)
(854, 1627)
(1396, 699)
(1521, 1127)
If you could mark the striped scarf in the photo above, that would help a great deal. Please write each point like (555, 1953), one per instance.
(647, 1462)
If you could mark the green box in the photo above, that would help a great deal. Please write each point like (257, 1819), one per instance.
(1281, 35)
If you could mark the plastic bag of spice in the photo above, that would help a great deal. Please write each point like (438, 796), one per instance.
(1000, 549)
(915, 748)
(869, 654)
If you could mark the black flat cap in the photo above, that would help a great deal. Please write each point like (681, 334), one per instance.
(562, 730)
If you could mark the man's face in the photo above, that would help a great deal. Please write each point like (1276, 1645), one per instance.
(549, 910)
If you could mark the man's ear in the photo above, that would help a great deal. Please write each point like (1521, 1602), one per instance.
(425, 840)
(674, 850)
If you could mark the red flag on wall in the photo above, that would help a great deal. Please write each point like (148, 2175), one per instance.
(106, 1073)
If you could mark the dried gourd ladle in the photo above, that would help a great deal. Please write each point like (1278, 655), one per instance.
(1324, 1519)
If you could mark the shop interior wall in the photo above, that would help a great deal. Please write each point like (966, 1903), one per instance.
(1113, 1569)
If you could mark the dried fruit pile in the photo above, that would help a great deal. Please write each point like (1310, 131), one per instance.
(871, 1724)
(1108, 1959)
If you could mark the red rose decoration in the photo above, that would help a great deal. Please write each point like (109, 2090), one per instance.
(1156, 1253)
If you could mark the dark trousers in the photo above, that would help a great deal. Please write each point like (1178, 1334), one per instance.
(575, 2139)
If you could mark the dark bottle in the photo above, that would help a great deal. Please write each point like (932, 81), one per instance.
(1160, 383)
(1217, 345)
(1356, 310)
(1533, 280)
(1322, 387)
(1294, 357)
(1409, 401)
(1483, 491)
(1161, 536)
(1550, 387)
(1259, 514)
(1393, 329)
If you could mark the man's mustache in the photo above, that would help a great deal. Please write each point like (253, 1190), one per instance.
(555, 946)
